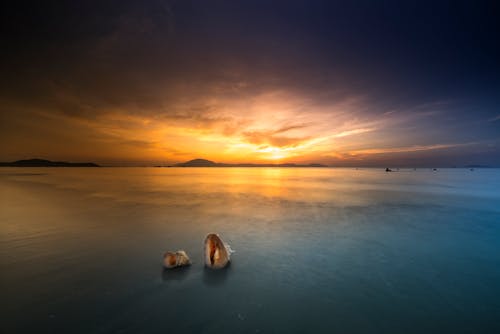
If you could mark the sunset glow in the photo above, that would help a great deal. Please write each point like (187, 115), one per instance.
(182, 93)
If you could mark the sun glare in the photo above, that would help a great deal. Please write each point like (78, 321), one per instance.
(274, 153)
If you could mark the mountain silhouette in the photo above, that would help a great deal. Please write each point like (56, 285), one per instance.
(209, 163)
(197, 163)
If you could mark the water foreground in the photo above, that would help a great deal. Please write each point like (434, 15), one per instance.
(317, 250)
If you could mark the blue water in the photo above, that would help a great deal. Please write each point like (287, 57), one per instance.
(318, 250)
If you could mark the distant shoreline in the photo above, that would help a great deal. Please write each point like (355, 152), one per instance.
(202, 163)
(46, 163)
(208, 163)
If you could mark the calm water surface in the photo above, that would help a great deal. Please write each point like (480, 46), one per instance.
(317, 250)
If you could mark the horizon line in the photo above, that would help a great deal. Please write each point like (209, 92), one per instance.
(259, 164)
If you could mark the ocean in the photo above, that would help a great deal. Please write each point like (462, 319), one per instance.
(317, 250)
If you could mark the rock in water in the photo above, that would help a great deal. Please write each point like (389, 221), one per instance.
(176, 259)
(217, 253)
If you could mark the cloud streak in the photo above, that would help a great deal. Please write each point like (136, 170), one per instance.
(353, 132)
(414, 148)
(494, 119)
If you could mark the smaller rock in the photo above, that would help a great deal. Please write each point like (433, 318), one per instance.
(176, 259)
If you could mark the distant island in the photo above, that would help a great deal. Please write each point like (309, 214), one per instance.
(208, 163)
(46, 163)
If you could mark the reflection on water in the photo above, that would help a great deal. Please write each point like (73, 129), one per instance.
(317, 250)
(175, 274)
(215, 277)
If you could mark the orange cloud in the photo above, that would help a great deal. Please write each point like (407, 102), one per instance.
(353, 132)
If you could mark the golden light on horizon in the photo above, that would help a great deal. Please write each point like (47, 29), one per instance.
(274, 153)
(272, 128)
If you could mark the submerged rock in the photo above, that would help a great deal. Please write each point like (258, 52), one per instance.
(176, 259)
(217, 253)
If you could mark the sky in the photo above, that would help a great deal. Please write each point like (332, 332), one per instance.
(344, 83)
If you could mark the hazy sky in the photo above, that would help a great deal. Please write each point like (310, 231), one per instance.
(338, 82)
